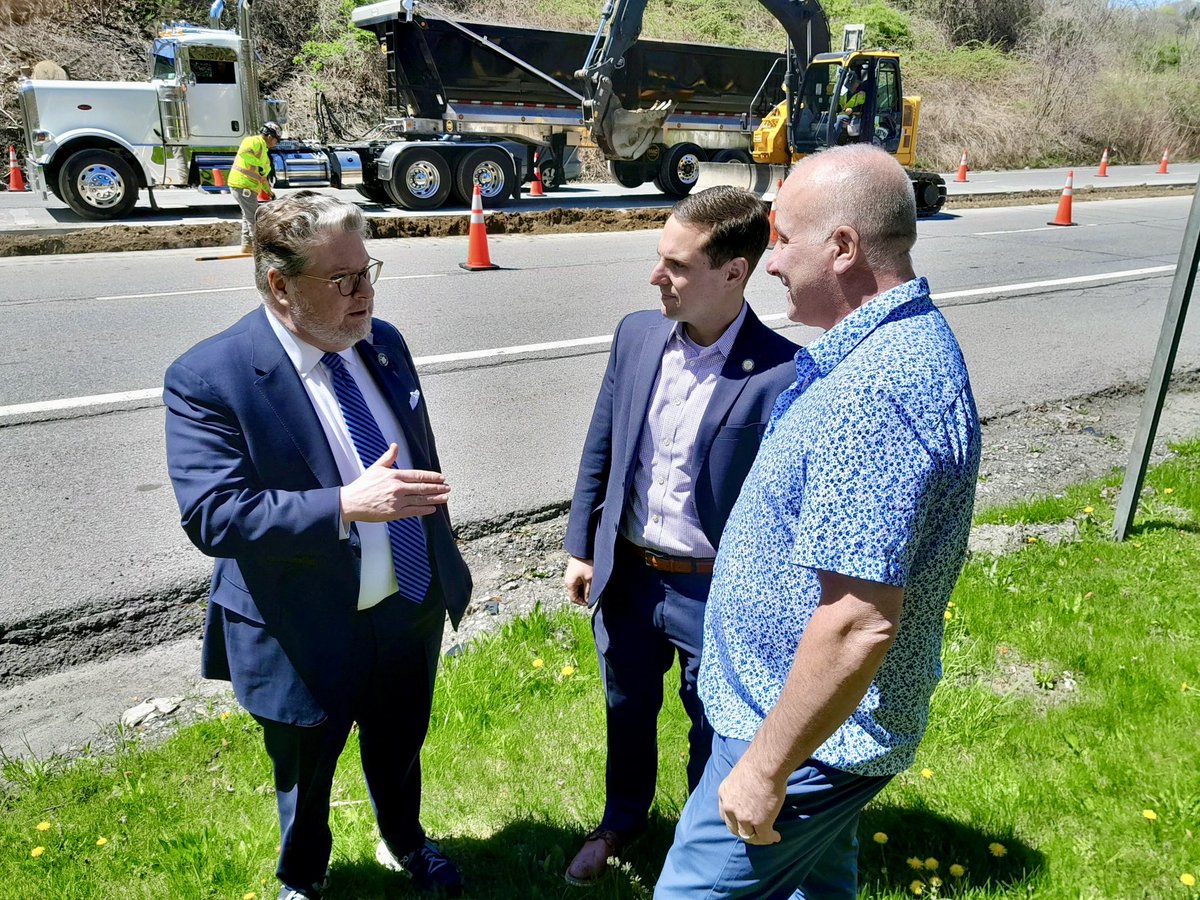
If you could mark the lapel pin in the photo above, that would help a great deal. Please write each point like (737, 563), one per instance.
(747, 365)
(383, 360)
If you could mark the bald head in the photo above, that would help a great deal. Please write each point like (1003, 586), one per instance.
(861, 186)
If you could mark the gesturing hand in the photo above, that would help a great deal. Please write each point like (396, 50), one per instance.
(382, 493)
(578, 579)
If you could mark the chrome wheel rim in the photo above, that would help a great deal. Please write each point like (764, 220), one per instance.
(423, 180)
(688, 168)
(100, 186)
(490, 178)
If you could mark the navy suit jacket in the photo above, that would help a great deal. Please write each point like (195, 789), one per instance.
(760, 366)
(258, 488)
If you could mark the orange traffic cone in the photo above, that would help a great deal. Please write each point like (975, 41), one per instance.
(477, 248)
(771, 215)
(536, 189)
(218, 179)
(962, 168)
(263, 196)
(16, 181)
(1064, 203)
(1162, 166)
(1103, 172)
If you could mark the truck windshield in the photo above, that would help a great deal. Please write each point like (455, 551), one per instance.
(162, 61)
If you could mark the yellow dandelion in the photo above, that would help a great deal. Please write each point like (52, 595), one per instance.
(1188, 878)
(101, 841)
(947, 615)
(568, 671)
(43, 826)
(935, 882)
(927, 774)
(539, 663)
(932, 864)
(1088, 510)
(1184, 687)
(1032, 539)
(880, 838)
(1137, 544)
(225, 715)
(917, 887)
(952, 604)
(957, 871)
(914, 863)
(249, 895)
(37, 851)
(1168, 490)
(1149, 815)
(997, 849)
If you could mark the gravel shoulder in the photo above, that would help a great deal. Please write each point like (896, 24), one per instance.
(517, 566)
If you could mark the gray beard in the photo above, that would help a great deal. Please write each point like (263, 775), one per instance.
(347, 336)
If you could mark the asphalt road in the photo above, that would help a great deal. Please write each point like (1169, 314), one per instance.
(89, 526)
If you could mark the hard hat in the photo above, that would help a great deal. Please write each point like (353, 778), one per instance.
(272, 129)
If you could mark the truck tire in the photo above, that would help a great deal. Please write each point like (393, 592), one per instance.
(548, 166)
(680, 169)
(376, 193)
(98, 185)
(732, 156)
(420, 180)
(626, 174)
(492, 169)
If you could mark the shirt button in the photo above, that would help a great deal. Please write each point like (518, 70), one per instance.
(662, 479)
(679, 403)
(666, 442)
(654, 519)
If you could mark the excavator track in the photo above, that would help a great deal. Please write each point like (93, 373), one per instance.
(930, 189)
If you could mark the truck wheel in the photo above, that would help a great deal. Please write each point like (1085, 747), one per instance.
(548, 166)
(627, 175)
(492, 169)
(420, 180)
(98, 185)
(680, 169)
(376, 193)
(732, 156)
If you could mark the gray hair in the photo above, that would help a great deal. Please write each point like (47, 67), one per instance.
(864, 187)
(286, 230)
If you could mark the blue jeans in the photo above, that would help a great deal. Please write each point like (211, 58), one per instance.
(817, 858)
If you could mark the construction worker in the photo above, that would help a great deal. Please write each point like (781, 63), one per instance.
(851, 102)
(249, 176)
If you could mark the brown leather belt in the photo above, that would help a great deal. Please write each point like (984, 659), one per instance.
(673, 565)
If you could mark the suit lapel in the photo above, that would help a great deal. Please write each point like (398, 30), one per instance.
(390, 371)
(284, 393)
(742, 363)
(647, 366)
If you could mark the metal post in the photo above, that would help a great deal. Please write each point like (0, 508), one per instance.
(1160, 374)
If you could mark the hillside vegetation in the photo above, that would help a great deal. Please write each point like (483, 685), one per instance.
(1017, 82)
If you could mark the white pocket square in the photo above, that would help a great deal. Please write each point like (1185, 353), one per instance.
(413, 397)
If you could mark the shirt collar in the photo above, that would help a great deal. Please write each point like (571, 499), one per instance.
(836, 344)
(721, 345)
(304, 356)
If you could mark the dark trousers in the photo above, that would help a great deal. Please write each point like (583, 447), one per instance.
(644, 620)
(397, 645)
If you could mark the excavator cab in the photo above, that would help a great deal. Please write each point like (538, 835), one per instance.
(850, 98)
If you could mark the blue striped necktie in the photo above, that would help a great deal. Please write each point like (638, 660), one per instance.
(409, 556)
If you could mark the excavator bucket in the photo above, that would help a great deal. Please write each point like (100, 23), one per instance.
(758, 178)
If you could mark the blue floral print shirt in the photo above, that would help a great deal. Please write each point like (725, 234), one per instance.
(867, 468)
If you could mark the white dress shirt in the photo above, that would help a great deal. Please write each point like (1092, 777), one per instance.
(377, 578)
(661, 510)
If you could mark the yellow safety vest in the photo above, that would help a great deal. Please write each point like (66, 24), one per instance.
(252, 165)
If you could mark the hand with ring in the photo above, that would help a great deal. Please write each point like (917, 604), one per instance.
(749, 803)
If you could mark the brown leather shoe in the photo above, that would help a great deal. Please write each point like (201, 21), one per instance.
(591, 862)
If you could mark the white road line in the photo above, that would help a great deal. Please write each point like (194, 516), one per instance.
(1027, 230)
(78, 403)
(226, 290)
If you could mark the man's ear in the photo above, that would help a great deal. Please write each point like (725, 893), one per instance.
(278, 285)
(737, 269)
(847, 249)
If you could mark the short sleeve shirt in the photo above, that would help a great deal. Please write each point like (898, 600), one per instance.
(868, 469)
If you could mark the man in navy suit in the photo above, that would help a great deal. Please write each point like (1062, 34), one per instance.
(303, 460)
(677, 424)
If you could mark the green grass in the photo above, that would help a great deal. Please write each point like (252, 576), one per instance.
(1063, 714)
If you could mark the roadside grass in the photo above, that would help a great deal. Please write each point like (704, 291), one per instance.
(1061, 761)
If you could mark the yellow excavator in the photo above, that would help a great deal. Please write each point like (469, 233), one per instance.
(830, 98)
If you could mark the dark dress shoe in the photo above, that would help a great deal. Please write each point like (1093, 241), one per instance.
(430, 868)
(591, 862)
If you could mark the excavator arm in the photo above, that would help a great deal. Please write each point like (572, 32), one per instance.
(624, 134)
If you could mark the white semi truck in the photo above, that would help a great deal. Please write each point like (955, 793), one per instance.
(467, 111)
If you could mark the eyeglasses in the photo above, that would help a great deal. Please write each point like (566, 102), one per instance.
(348, 284)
